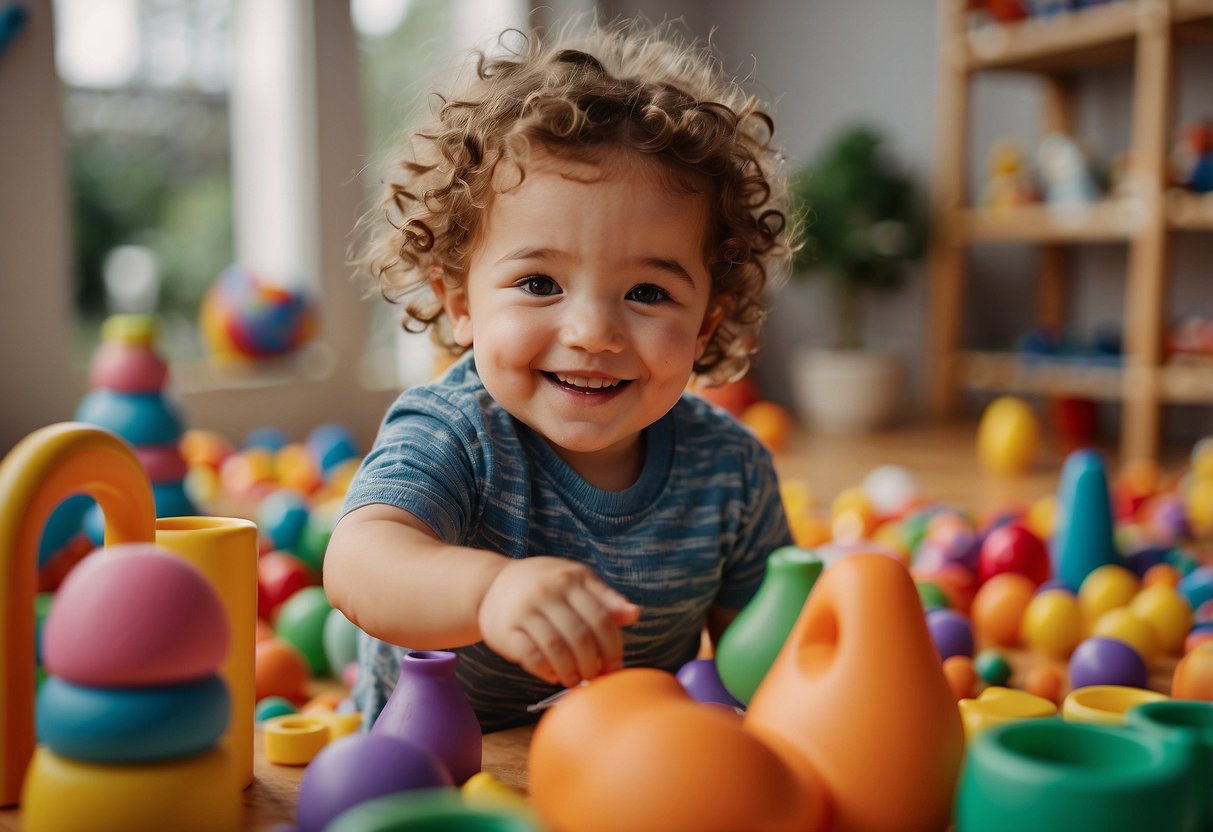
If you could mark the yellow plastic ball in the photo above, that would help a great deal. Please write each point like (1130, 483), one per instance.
(1202, 458)
(1106, 588)
(1167, 612)
(1124, 624)
(1053, 624)
(852, 516)
(1198, 500)
(1008, 437)
(1042, 517)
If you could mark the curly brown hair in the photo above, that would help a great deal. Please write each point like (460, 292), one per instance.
(627, 86)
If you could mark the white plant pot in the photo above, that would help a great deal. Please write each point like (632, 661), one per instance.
(846, 391)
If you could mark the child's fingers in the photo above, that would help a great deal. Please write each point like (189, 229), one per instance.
(581, 634)
(599, 620)
(551, 644)
(623, 611)
(527, 655)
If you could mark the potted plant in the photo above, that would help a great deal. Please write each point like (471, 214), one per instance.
(864, 223)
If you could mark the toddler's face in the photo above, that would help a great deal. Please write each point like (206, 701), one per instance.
(587, 303)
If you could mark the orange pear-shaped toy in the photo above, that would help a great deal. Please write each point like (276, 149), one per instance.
(859, 690)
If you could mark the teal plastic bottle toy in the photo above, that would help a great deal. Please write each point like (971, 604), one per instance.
(750, 644)
(1083, 541)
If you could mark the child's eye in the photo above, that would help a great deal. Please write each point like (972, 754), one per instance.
(539, 285)
(648, 294)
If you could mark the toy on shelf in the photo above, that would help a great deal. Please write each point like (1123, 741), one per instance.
(1010, 183)
(1192, 158)
(1065, 172)
(245, 317)
(60, 794)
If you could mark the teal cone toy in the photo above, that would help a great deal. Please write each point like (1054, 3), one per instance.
(1083, 541)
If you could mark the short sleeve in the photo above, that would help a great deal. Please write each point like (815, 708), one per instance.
(764, 530)
(424, 461)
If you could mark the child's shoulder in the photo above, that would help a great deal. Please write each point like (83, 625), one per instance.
(715, 427)
(457, 395)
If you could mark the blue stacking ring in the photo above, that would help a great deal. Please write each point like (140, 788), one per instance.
(132, 725)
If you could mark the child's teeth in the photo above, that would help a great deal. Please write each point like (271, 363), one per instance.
(583, 381)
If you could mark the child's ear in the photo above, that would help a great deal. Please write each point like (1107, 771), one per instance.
(454, 300)
(711, 320)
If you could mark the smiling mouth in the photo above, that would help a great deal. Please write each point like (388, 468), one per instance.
(586, 384)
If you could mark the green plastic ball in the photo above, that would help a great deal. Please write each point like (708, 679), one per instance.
(992, 667)
(300, 622)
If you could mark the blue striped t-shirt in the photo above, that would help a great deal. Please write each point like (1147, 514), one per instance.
(692, 532)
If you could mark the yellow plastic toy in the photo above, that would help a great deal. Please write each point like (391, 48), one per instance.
(1008, 437)
(996, 705)
(202, 792)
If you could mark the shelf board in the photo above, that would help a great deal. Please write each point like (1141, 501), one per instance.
(1189, 211)
(1109, 220)
(1188, 381)
(1009, 373)
(1073, 40)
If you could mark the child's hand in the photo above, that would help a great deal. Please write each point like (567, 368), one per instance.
(556, 619)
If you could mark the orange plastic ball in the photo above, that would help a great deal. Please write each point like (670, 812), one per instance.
(771, 423)
(280, 670)
(1193, 677)
(1163, 574)
(961, 676)
(1045, 680)
(998, 608)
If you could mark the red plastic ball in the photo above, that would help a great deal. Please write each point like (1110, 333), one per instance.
(1013, 548)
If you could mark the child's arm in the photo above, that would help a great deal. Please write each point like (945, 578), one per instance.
(389, 574)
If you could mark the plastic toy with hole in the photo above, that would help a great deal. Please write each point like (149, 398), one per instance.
(1105, 704)
(1190, 720)
(59, 793)
(428, 707)
(846, 711)
(996, 705)
(425, 811)
(1049, 775)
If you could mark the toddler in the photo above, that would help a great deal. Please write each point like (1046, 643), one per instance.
(593, 223)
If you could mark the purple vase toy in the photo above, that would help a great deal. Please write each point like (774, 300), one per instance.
(429, 708)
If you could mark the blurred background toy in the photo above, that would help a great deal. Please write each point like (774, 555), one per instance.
(246, 317)
(1010, 182)
(1192, 158)
(1065, 172)
(129, 397)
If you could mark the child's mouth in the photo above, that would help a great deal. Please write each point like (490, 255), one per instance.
(586, 385)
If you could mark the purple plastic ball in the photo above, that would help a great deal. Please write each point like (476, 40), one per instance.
(360, 767)
(951, 632)
(702, 682)
(1107, 661)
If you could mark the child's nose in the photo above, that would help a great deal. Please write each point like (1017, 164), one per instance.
(593, 328)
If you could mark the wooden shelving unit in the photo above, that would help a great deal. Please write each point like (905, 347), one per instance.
(1143, 34)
